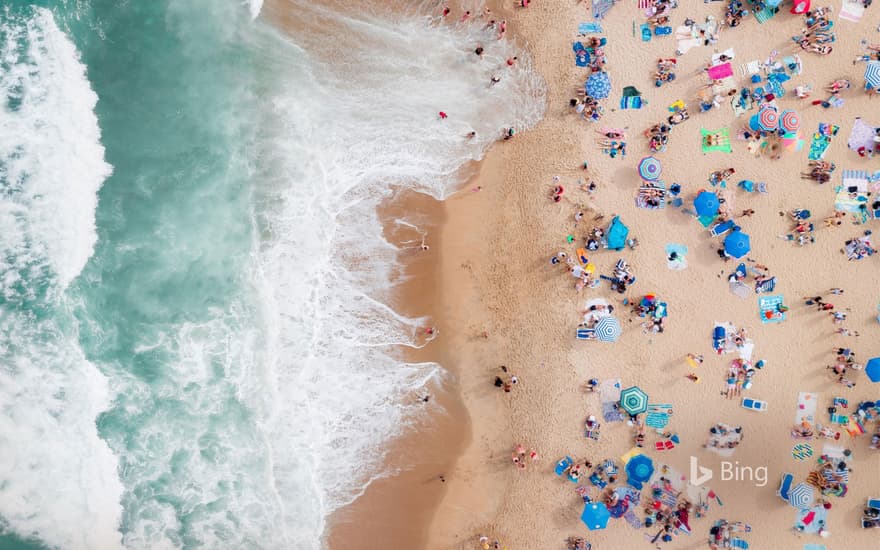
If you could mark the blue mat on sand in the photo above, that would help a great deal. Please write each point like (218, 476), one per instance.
(594, 27)
(819, 518)
(770, 304)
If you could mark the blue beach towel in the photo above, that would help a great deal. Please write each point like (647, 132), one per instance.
(593, 27)
(601, 7)
(770, 304)
(646, 32)
(563, 465)
(634, 102)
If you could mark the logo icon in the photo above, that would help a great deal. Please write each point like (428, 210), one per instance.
(699, 474)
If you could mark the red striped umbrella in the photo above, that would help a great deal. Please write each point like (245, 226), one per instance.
(768, 119)
(790, 121)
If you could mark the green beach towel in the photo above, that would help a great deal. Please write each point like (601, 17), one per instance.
(723, 144)
(765, 14)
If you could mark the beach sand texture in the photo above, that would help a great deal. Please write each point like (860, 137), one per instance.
(496, 275)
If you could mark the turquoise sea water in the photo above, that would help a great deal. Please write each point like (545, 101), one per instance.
(195, 344)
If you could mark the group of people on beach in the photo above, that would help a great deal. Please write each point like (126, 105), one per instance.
(817, 36)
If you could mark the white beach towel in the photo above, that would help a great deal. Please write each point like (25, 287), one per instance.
(750, 68)
(716, 58)
(852, 10)
(806, 407)
(745, 351)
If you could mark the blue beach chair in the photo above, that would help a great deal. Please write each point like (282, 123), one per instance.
(563, 465)
(785, 486)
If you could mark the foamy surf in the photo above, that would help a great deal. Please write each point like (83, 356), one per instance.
(238, 300)
(57, 478)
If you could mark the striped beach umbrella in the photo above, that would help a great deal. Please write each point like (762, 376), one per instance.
(872, 74)
(789, 121)
(768, 119)
(801, 496)
(608, 329)
(598, 86)
(633, 400)
(650, 168)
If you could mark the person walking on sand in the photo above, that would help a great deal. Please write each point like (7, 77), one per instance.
(464, 17)
(693, 378)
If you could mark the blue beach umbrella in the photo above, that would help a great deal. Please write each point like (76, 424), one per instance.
(608, 329)
(737, 244)
(639, 470)
(872, 74)
(801, 496)
(595, 516)
(633, 400)
(598, 86)
(872, 369)
(706, 204)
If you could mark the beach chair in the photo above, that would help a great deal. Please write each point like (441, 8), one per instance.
(719, 338)
(765, 286)
(563, 465)
(874, 502)
(584, 333)
(785, 486)
(720, 229)
(739, 543)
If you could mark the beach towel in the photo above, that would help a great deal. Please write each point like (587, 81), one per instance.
(581, 59)
(658, 415)
(818, 145)
(765, 15)
(806, 407)
(723, 144)
(601, 8)
(717, 72)
(750, 68)
(814, 547)
(811, 520)
(861, 136)
(852, 10)
(769, 309)
(739, 543)
(802, 451)
(609, 394)
(632, 519)
(647, 192)
(680, 262)
(645, 4)
(593, 27)
(740, 289)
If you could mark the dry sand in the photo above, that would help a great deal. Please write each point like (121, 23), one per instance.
(496, 276)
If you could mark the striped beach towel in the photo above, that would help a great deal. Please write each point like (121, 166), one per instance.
(632, 519)
(658, 415)
(852, 10)
(764, 15)
(801, 451)
(645, 4)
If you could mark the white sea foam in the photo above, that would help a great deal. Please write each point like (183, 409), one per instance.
(360, 118)
(254, 7)
(57, 478)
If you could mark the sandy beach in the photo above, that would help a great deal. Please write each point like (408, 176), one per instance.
(495, 257)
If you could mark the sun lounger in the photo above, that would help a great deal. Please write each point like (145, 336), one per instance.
(765, 286)
(563, 465)
(585, 333)
(662, 31)
(754, 404)
(874, 502)
(719, 229)
(785, 486)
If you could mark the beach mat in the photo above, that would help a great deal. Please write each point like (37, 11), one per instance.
(851, 10)
(768, 309)
(658, 415)
(593, 27)
(811, 520)
(765, 15)
(723, 144)
(609, 394)
(601, 7)
(802, 451)
(806, 407)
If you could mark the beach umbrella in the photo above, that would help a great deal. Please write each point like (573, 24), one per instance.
(768, 119)
(872, 369)
(639, 470)
(789, 121)
(608, 329)
(598, 86)
(872, 74)
(633, 400)
(650, 168)
(706, 204)
(800, 7)
(595, 516)
(737, 244)
(801, 496)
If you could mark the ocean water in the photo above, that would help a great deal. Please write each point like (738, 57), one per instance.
(196, 342)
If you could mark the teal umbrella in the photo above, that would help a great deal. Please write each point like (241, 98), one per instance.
(633, 400)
